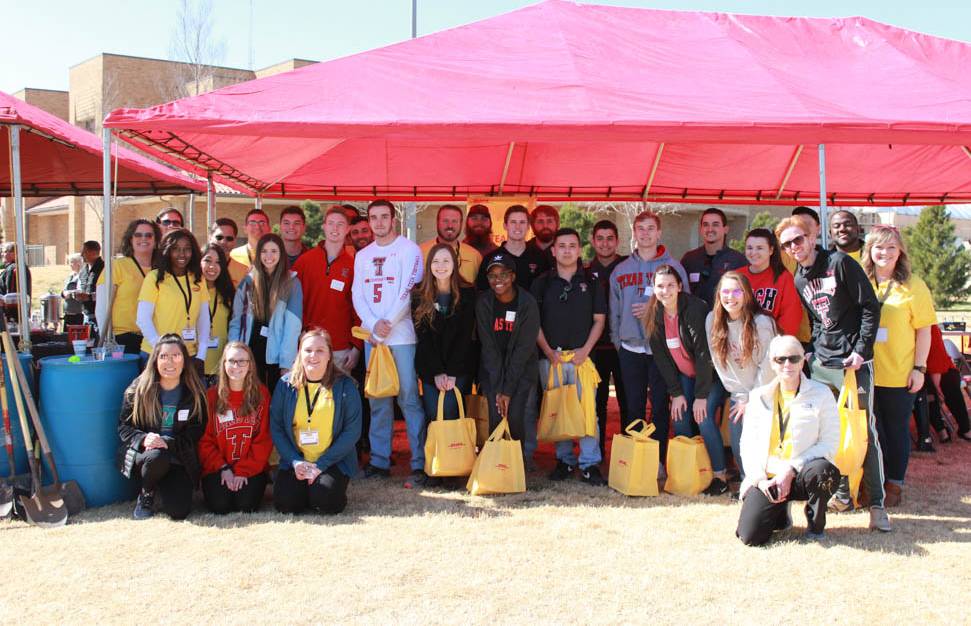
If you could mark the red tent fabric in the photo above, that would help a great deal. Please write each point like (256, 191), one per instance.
(57, 159)
(594, 102)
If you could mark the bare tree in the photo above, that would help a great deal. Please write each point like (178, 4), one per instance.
(195, 45)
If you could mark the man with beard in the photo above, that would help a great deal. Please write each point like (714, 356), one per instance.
(360, 234)
(449, 226)
(478, 230)
(844, 230)
(545, 221)
(706, 263)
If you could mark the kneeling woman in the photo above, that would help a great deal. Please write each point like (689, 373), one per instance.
(789, 436)
(315, 420)
(163, 415)
(236, 445)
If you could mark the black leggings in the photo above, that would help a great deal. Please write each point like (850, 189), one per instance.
(168, 479)
(327, 494)
(954, 399)
(221, 500)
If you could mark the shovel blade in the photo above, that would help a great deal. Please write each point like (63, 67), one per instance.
(6, 500)
(72, 496)
(44, 509)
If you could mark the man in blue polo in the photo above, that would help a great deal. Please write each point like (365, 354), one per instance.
(707, 263)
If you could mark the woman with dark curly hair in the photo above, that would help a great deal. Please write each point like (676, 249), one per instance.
(139, 256)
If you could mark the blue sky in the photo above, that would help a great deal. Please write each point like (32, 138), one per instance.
(43, 38)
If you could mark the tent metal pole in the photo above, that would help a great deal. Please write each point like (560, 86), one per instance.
(650, 178)
(505, 166)
(191, 211)
(823, 219)
(106, 215)
(18, 207)
(792, 166)
(258, 204)
(210, 200)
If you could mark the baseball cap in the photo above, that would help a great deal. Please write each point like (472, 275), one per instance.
(504, 260)
(480, 209)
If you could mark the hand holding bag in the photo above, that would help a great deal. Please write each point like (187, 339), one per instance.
(560, 415)
(499, 466)
(589, 379)
(851, 450)
(634, 459)
(689, 467)
(381, 379)
(450, 444)
(477, 408)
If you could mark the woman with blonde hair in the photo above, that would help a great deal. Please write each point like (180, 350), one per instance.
(163, 415)
(738, 336)
(900, 350)
(315, 422)
(268, 310)
(235, 449)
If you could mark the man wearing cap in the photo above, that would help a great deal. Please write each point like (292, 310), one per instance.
(531, 261)
(449, 226)
(478, 230)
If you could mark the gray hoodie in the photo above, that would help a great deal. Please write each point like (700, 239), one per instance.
(632, 281)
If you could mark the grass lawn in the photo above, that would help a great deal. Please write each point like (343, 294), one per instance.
(559, 553)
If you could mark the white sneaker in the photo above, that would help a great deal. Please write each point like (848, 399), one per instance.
(879, 520)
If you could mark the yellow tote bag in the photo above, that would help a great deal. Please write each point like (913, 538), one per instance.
(589, 379)
(851, 450)
(689, 467)
(499, 466)
(560, 416)
(450, 444)
(725, 428)
(634, 459)
(381, 379)
(477, 409)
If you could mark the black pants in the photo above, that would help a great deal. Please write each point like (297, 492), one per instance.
(327, 494)
(221, 500)
(814, 484)
(954, 398)
(73, 319)
(607, 363)
(131, 341)
(517, 408)
(168, 479)
(364, 443)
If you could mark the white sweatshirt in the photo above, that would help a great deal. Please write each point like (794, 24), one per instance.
(383, 279)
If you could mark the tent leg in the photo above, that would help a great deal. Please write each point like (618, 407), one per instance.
(210, 201)
(190, 213)
(106, 214)
(18, 208)
(823, 218)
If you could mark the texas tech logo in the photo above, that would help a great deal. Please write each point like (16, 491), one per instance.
(379, 265)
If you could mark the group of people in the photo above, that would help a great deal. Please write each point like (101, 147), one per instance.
(267, 327)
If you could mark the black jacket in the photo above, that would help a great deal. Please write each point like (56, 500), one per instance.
(186, 433)
(504, 373)
(843, 310)
(445, 346)
(692, 312)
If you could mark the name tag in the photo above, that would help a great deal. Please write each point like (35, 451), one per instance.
(694, 277)
(214, 342)
(309, 438)
(264, 331)
(337, 285)
(828, 284)
(674, 342)
(293, 274)
(183, 415)
(510, 316)
(188, 334)
(648, 291)
(228, 416)
(882, 335)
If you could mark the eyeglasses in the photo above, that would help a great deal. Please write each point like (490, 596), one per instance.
(143, 235)
(792, 358)
(257, 223)
(566, 292)
(238, 362)
(224, 238)
(497, 276)
(793, 242)
(732, 292)
(170, 222)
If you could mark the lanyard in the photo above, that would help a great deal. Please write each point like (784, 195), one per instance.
(313, 404)
(186, 295)
(783, 423)
(212, 309)
(886, 292)
(138, 265)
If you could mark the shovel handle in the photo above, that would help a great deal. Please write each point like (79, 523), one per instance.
(7, 428)
(25, 429)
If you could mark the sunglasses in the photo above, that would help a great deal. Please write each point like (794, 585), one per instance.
(792, 358)
(566, 292)
(732, 292)
(238, 362)
(143, 235)
(170, 222)
(786, 245)
(224, 238)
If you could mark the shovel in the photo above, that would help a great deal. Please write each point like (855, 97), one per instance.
(69, 492)
(45, 508)
(6, 489)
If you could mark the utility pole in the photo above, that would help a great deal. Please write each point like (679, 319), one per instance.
(411, 208)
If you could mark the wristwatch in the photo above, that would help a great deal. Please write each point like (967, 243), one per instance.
(921, 368)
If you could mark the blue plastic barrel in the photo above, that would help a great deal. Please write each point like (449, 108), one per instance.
(20, 453)
(79, 405)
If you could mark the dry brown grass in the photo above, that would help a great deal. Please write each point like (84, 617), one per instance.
(47, 278)
(557, 553)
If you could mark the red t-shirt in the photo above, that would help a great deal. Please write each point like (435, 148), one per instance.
(327, 299)
(240, 441)
(777, 297)
(938, 362)
(681, 357)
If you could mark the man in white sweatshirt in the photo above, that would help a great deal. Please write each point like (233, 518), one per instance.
(385, 271)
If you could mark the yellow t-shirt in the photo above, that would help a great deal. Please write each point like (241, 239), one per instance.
(170, 314)
(906, 308)
(237, 271)
(241, 254)
(218, 332)
(805, 330)
(856, 255)
(469, 259)
(127, 278)
(781, 450)
(314, 435)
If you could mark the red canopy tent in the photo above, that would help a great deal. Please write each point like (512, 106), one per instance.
(42, 155)
(562, 100)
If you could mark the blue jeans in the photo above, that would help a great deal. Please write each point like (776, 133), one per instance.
(640, 375)
(430, 393)
(736, 432)
(687, 425)
(382, 412)
(589, 446)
